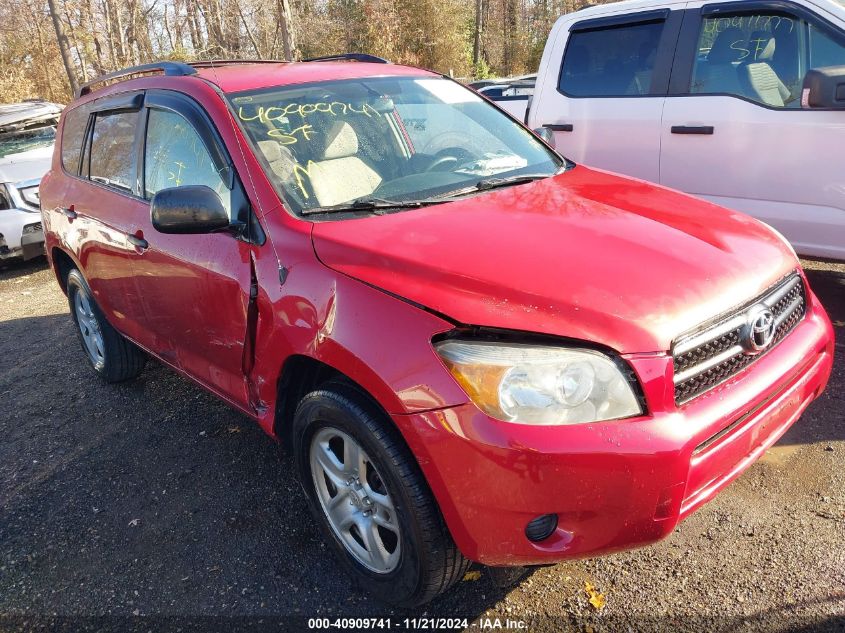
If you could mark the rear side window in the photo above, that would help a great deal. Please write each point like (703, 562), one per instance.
(112, 159)
(73, 135)
(611, 62)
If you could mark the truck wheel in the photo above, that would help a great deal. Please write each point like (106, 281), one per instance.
(370, 499)
(113, 357)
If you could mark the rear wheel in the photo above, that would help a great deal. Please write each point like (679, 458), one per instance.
(114, 358)
(372, 502)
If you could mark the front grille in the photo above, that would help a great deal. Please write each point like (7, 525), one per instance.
(711, 355)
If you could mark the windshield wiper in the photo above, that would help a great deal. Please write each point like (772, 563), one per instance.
(492, 183)
(369, 203)
(372, 204)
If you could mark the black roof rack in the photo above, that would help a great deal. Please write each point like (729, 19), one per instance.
(211, 63)
(174, 69)
(180, 69)
(354, 57)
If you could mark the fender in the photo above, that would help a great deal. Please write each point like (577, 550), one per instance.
(349, 326)
(52, 245)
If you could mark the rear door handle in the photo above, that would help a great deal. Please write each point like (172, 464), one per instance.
(692, 129)
(560, 127)
(138, 242)
(68, 212)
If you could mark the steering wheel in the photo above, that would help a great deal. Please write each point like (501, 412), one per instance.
(442, 160)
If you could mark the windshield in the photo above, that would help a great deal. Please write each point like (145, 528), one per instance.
(23, 141)
(395, 139)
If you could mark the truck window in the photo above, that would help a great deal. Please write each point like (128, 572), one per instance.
(73, 133)
(824, 50)
(112, 155)
(611, 62)
(761, 57)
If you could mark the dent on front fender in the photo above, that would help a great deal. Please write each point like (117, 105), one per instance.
(379, 341)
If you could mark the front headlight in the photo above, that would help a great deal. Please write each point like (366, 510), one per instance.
(533, 384)
(31, 197)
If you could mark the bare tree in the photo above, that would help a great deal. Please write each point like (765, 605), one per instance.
(288, 33)
(63, 46)
(96, 36)
(479, 27)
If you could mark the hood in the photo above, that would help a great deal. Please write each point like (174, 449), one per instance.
(29, 165)
(586, 255)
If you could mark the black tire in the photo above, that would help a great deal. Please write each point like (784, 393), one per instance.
(120, 360)
(429, 561)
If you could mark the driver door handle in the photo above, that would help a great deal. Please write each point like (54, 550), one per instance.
(692, 129)
(560, 127)
(137, 242)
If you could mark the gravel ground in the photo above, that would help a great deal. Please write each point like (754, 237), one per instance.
(153, 506)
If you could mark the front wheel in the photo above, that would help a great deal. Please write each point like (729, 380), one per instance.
(370, 499)
(114, 358)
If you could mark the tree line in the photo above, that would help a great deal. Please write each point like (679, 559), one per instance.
(49, 47)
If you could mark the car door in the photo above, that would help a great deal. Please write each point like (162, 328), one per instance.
(195, 287)
(604, 81)
(100, 203)
(734, 130)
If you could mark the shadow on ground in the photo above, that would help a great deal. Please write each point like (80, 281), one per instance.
(154, 497)
(15, 268)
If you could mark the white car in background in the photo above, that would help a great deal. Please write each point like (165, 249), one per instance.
(27, 135)
(739, 102)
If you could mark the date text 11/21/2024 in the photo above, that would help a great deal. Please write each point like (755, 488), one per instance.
(417, 624)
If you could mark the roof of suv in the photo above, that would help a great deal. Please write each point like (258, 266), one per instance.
(253, 76)
(238, 76)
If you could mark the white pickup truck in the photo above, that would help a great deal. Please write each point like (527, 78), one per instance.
(738, 102)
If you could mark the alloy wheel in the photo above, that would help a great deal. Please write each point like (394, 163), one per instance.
(354, 499)
(92, 336)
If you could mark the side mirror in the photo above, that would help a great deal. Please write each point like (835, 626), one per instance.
(824, 88)
(188, 209)
(546, 134)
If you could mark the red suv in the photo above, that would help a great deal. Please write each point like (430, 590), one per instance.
(474, 349)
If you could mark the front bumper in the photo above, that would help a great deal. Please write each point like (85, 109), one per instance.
(21, 234)
(614, 485)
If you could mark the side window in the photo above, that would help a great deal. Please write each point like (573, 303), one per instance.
(762, 57)
(73, 134)
(5, 203)
(824, 51)
(112, 159)
(175, 155)
(611, 62)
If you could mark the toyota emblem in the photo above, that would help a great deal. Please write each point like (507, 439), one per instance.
(759, 330)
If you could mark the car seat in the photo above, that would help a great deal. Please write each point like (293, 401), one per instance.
(341, 175)
(279, 157)
(760, 80)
